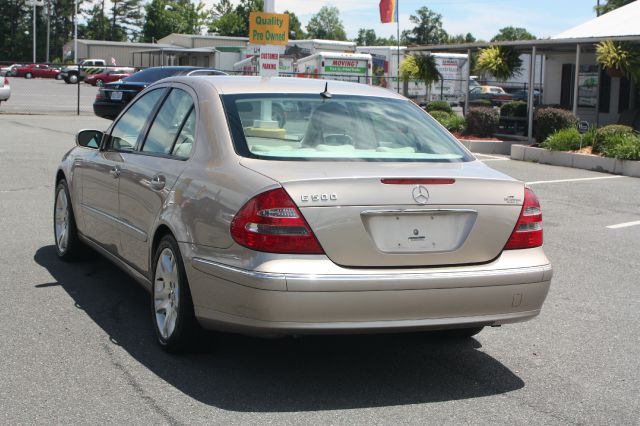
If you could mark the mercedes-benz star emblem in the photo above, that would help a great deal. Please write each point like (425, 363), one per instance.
(420, 194)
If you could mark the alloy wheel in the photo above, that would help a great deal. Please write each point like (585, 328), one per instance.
(166, 293)
(62, 221)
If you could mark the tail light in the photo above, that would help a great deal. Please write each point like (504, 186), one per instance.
(271, 222)
(6, 81)
(528, 230)
(100, 95)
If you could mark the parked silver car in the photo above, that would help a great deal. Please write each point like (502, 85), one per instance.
(362, 215)
(5, 89)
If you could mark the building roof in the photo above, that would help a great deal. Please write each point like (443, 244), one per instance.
(121, 43)
(617, 23)
(209, 36)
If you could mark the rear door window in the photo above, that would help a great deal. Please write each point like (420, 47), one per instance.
(169, 123)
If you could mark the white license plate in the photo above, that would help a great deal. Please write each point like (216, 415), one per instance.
(116, 96)
(411, 233)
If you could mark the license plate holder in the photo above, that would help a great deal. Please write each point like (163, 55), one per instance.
(423, 232)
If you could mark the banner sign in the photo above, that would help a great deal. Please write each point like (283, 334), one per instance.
(268, 28)
(345, 66)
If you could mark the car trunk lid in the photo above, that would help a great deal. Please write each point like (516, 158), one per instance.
(401, 214)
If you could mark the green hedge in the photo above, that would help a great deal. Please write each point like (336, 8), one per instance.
(482, 121)
(439, 106)
(452, 121)
(480, 103)
(614, 141)
(624, 147)
(603, 136)
(514, 109)
(550, 120)
(563, 140)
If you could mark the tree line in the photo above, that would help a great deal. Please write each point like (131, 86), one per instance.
(133, 20)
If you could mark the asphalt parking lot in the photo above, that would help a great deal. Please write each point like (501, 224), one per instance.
(48, 96)
(77, 345)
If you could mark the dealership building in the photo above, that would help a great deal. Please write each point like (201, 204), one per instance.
(573, 79)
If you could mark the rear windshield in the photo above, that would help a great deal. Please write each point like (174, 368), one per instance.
(350, 128)
(153, 74)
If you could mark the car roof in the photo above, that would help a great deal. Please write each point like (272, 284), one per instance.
(229, 85)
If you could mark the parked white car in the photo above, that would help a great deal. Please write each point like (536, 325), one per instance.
(9, 70)
(5, 89)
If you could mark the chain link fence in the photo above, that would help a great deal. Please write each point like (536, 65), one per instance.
(39, 89)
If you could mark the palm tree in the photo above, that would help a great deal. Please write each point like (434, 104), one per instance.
(501, 62)
(421, 67)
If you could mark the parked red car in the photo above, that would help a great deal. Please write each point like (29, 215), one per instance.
(37, 70)
(106, 77)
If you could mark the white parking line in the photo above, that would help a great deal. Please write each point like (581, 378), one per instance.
(624, 225)
(573, 180)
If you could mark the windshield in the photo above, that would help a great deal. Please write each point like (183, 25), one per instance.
(353, 128)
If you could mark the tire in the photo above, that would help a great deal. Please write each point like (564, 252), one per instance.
(460, 333)
(65, 232)
(73, 78)
(58, 77)
(99, 83)
(28, 75)
(171, 304)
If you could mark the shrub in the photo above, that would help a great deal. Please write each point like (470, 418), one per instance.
(514, 109)
(480, 103)
(624, 147)
(440, 116)
(455, 123)
(563, 140)
(550, 120)
(603, 141)
(482, 121)
(439, 106)
(452, 122)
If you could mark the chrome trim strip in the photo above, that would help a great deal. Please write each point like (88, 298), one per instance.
(135, 232)
(416, 211)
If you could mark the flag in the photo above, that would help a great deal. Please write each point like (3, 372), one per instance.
(388, 11)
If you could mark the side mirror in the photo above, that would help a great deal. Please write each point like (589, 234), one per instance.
(89, 138)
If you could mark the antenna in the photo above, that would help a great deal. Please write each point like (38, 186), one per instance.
(326, 93)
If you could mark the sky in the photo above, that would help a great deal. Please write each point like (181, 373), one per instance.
(482, 18)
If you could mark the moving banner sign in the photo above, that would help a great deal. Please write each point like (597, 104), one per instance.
(268, 28)
(345, 66)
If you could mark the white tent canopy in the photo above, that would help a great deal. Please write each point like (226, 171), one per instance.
(617, 23)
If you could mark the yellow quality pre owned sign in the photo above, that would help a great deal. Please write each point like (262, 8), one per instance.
(268, 28)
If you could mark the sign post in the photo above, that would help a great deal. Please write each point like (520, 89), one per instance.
(270, 30)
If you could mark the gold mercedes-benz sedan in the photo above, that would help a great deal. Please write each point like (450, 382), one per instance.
(298, 206)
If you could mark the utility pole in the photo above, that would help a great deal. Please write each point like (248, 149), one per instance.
(598, 8)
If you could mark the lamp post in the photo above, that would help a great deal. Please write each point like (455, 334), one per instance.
(34, 3)
(75, 35)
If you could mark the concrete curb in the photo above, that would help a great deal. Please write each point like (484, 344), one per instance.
(489, 147)
(576, 161)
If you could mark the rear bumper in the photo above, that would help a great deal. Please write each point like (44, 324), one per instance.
(5, 93)
(233, 299)
(107, 110)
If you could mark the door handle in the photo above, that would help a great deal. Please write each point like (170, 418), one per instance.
(115, 172)
(158, 182)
